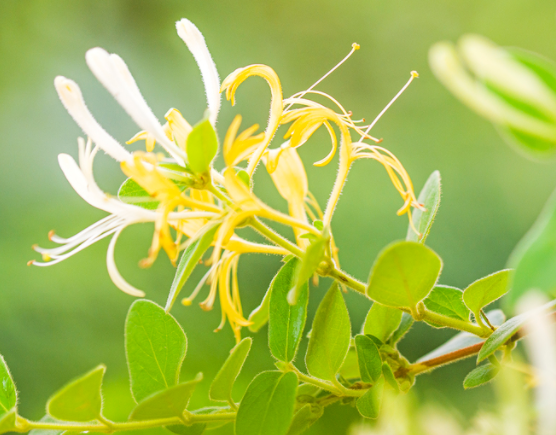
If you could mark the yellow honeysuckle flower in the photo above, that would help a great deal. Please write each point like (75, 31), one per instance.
(236, 147)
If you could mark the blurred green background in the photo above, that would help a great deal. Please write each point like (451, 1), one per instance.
(58, 322)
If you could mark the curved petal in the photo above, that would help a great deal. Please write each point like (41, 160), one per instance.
(195, 41)
(115, 275)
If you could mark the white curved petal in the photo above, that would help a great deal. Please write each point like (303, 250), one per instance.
(72, 99)
(117, 279)
(114, 74)
(195, 41)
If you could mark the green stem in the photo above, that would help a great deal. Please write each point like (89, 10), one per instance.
(27, 425)
(335, 388)
(460, 325)
(218, 193)
(348, 280)
(273, 236)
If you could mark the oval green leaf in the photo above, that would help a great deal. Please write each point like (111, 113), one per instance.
(403, 274)
(370, 362)
(80, 400)
(201, 147)
(368, 404)
(155, 349)
(8, 393)
(259, 316)
(480, 376)
(448, 301)
(304, 418)
(423, 219)
(166, 403)
(534, 258)
(223, 383)
(307, 267)
(268, 404)
(189, 259)
(405, 325)
(330, 336)
(390, 378)
(286, 322)
(7, 421)
(486, 290)
(382, 321)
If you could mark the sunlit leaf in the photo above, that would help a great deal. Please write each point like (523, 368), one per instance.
(304, 418)
(369, 403)
(350, 367)
(382, 321)
(201, 147)
(268, 404)
(131, 192)
(8, 393)
(259, 316)
(330, 336)
(423, 219)
(7, 421)
(80, 400)
(480, 376)
(370, 363)
(390, 378)
(189, 259)
(286, 321)
(403, 274)
(447, 301)
(307, 267)
(405, 325)
(167, 403)
(223, 383)
(155, 348)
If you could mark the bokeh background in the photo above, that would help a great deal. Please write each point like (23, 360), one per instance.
(58, 322)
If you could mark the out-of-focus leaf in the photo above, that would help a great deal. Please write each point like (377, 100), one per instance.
(405, 325)
(166, 403)
(8, 393)
(368, 404)
(534, 258)
(7, 421)
(330, 336)
(189, 259)
(509, 328)
(268, 404)
(403, 274)
(223, 383)
(309, 264)
(286, 322)
(423, 219)
(370, 363)
(382, 321)
(259, 316)
(80, 400)
(390, 378)
(304, 418)
(447, 301)
(486, 290)
(480, 376)
(131, 192)
(201, 147)
(155, 348)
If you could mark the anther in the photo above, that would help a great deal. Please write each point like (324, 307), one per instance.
(51, 234)
(30, 262)
(355, 46)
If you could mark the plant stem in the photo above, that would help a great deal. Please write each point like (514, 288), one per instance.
(335, 388)
(431, 364)
(460, 325)
(27, 425)
(276, 238)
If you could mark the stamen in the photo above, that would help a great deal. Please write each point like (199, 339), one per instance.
(354, 48)
(414, 74)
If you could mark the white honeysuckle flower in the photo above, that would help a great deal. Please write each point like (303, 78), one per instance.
(72, 99)
(113, 73)
(195, 41)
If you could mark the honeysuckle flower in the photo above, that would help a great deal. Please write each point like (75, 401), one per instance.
(187, 199)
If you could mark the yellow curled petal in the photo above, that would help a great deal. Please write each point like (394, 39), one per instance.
(178, 126)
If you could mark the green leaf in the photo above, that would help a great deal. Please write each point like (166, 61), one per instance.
(268, 404)
(390, 378)
(370, 363)
(259, 316)
(201, 147)
(485, 291)
(8, 393)
(405, 326)
(304, 418)
(166, 403)
(309, 264)
(447, 301)
(534, 258)
(480, 376)
(368, 404)
(403, 274)
(189, 259)
(499, 337)
(131, 192)
(463, 339)
(80, 400)
(155, 348)
(330, 336)
(382, 321)
(350, 367)
(7, 421)
(423, 219)
(223, 383)
(286, 321)
(199, 428)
